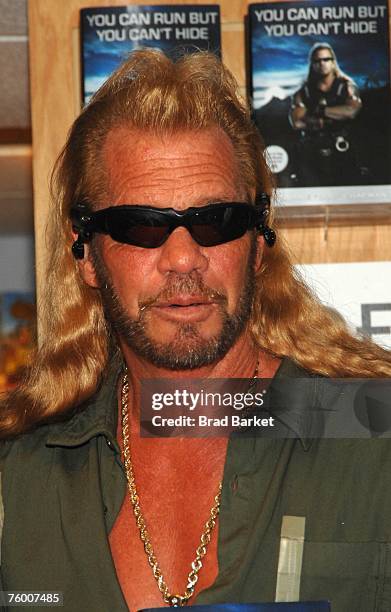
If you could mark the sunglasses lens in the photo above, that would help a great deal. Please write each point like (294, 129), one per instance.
(148, 230)
(223, 224)
(144, 236)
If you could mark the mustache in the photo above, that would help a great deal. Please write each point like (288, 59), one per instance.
(189, 284)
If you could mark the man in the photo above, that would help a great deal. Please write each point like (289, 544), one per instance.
(162, 192)
(322, 110)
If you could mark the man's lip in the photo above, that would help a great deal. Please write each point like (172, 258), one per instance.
(185, 300)
(185, 310)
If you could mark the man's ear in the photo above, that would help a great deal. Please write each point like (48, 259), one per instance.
(86, 266)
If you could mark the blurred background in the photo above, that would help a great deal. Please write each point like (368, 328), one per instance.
(17, 274)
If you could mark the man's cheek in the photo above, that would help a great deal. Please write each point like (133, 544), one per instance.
(234, 276)
(128, 297)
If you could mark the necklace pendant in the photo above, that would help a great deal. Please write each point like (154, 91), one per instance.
(177, 601)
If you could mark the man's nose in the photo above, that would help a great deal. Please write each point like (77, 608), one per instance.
(181, 254)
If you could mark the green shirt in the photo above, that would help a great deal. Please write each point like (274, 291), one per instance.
(63, 486)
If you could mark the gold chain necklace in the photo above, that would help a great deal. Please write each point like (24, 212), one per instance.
(173, 600)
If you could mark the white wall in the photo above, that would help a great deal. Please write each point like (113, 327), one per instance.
(17, 265)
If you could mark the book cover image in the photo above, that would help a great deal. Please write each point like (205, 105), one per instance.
(109, 34)
(320, 90)
(17, 336)
(308, 606)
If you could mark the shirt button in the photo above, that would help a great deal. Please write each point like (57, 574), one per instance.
(109, 443)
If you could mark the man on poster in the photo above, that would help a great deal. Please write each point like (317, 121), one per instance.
(163, 265)
(322, 110)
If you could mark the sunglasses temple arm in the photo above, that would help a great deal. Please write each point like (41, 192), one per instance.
(262, 201)
(269, 235)
(83, 226)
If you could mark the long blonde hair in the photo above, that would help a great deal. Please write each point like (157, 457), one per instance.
(151, 92)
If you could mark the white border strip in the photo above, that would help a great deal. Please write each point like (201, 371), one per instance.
(14, 38)
(356, 194)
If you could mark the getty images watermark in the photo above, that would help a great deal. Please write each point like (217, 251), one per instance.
(279, 408)
(218, 405)
(202, 407)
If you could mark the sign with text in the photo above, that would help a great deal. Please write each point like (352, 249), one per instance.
(359, 292)
(108, 34)
(321, 98)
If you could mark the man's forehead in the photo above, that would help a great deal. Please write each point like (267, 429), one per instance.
(323, 53)
(125, 143)
(139, 161)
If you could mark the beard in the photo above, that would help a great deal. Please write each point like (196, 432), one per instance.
(188, 350)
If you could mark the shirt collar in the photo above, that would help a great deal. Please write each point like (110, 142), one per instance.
(97, 416)
(302, 401)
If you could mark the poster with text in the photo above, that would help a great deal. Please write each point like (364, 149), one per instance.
(109, 34)
(320, 89)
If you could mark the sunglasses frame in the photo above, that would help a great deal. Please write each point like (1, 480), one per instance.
(322, 59)
(85, 223)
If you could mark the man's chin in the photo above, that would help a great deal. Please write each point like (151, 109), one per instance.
(183, 345)
(186, 350)
(186, 333)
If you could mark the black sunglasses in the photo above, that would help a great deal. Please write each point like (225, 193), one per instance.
(322, 59)
(149, 227)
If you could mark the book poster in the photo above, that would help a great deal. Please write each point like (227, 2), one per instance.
(109, 34)
(17, 336)
(320, 85)
(297, 606)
